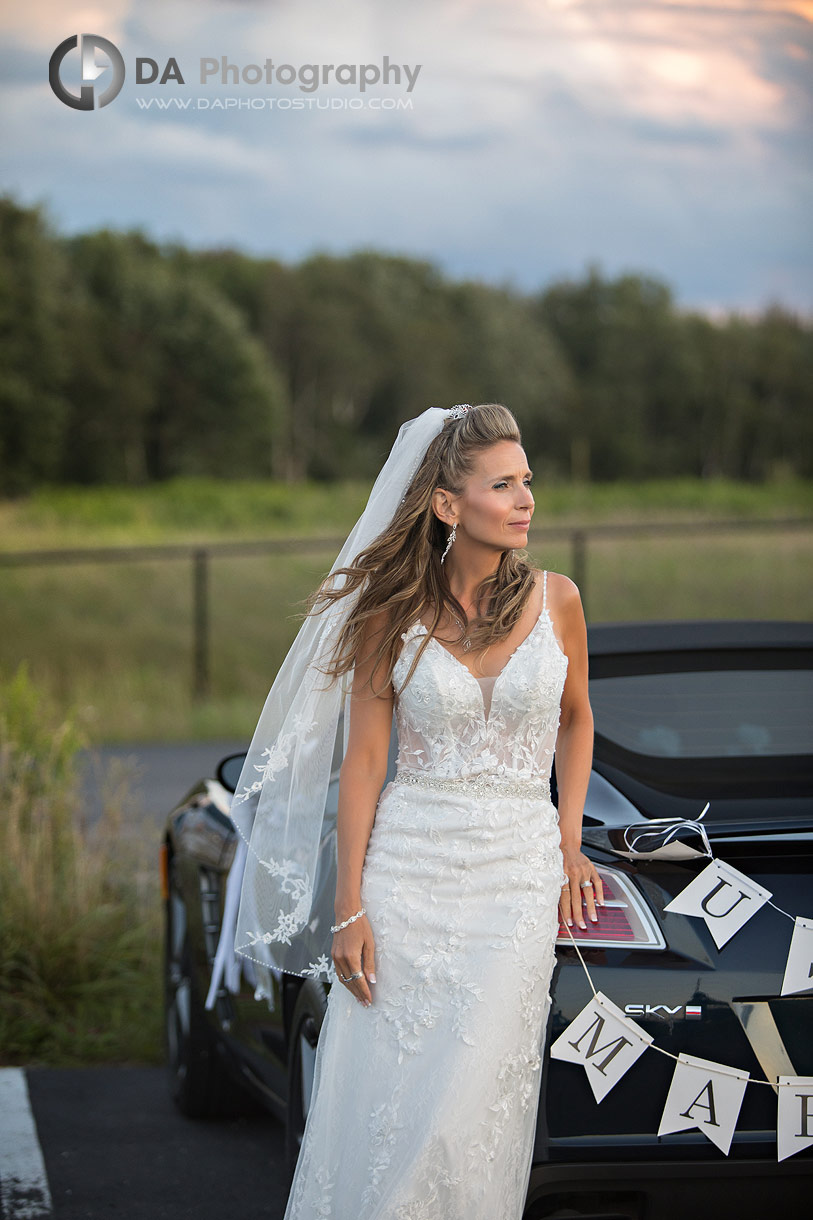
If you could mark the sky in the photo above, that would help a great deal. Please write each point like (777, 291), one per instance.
(524, 141)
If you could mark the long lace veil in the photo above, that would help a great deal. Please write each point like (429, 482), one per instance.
(282, 877)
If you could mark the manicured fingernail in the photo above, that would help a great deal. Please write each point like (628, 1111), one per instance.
(570, 923)
(583, 925)
(372, 978)
(594, 918)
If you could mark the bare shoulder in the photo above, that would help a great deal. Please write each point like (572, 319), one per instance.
(373, 630)
(563, 593)
(378, 622)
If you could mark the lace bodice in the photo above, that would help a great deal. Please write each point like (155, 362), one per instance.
(447, 724)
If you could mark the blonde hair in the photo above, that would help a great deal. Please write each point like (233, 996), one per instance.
(401, 571)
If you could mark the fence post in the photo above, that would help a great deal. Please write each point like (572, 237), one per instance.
(578, 541)
(200, 583)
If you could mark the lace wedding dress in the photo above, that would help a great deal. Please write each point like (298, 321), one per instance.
(424, 1105)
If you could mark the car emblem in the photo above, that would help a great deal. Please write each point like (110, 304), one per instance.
(692, 1012)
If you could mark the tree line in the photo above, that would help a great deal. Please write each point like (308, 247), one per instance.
(128, 361)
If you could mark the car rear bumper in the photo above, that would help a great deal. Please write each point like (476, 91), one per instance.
(750, 1189)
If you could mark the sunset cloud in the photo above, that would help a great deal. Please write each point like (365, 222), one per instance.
(671, 138)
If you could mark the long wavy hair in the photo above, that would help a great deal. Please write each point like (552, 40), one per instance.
(401, 571)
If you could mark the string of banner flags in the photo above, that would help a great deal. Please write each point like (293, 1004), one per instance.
(703, 1094)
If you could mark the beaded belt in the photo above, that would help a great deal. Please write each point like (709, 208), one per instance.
(484, 784)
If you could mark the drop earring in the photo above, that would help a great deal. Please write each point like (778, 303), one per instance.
(452, 537)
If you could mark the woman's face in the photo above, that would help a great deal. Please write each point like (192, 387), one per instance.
(496, 504)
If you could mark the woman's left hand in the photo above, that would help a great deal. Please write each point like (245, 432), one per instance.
(582, 882)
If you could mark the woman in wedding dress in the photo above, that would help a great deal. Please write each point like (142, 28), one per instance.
(449, 881)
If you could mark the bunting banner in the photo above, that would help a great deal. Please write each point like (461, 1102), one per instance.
(604, 1041)
(794, 1124)
(705, 1095)
(799, 966)
(722, 896)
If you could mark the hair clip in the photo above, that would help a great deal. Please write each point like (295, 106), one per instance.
(458, 411)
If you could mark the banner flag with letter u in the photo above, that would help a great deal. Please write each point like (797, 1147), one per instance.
(724, 897)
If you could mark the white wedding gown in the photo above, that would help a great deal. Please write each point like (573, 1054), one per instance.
(424, 1105)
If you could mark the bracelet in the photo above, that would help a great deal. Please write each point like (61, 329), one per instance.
(338, 927)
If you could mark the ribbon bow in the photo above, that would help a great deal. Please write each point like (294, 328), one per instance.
(675, 825)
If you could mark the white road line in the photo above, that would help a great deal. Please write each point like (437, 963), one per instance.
(24, 1192)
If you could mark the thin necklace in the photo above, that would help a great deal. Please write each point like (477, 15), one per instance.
(466, 640)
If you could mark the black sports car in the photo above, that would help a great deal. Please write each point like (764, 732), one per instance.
(686, 714)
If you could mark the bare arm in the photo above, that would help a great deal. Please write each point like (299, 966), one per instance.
(362, 775)
(574, 758)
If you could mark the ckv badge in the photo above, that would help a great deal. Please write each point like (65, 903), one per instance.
(88, 97)
(693, 1012)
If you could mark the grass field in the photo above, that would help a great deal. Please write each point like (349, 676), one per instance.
(116, 639)
(196, 509)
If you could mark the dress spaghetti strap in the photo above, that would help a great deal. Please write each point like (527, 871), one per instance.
(545, 591)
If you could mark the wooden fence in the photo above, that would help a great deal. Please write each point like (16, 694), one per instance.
(200, 557)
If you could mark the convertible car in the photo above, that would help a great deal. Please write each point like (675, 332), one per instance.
(697, 719)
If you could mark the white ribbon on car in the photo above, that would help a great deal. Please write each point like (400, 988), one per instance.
(665, 832)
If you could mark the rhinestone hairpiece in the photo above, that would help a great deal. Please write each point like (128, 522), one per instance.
(456, 412)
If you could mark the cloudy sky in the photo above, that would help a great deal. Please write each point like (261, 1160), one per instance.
(669, 138)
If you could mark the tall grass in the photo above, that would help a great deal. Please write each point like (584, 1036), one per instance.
(80, 915)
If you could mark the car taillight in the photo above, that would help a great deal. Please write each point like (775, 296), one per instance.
(624, 921)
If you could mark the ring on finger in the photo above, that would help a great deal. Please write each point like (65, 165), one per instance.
(586, 885)
(350, 977)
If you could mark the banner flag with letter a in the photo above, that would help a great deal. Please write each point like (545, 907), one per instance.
(705, 1095)
(604, 1041)
(724, 897)
(794, 1124)
(799, 966)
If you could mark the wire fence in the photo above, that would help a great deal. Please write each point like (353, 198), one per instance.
(200, 557)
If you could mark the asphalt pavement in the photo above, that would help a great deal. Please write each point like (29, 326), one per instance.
(113, 1145)
(158, 776)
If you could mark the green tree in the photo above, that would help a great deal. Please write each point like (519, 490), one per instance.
(33, 406)
(165, 377)
(508, 355)
(631, 361)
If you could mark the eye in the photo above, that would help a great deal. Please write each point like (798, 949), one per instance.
(503, 483)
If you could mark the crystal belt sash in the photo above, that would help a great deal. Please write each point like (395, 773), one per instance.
(483, 784)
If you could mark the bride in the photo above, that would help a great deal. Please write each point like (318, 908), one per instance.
(450, 881)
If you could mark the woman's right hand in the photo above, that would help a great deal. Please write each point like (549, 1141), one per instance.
(353, 949)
